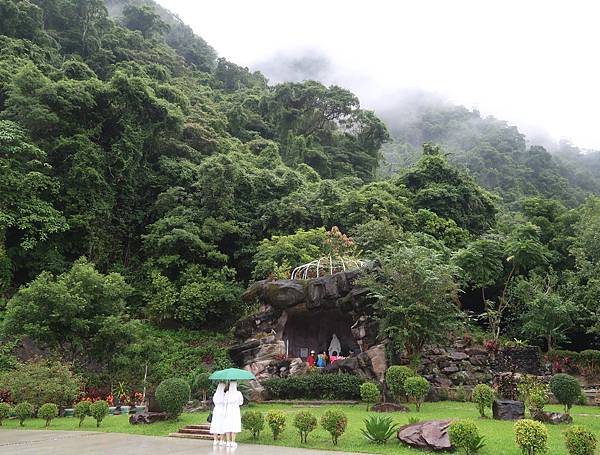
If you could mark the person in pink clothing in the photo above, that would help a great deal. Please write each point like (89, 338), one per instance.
(333, 357)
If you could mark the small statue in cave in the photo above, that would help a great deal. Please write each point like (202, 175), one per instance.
(335, 345)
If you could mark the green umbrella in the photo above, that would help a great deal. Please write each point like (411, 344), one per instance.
(231, 374)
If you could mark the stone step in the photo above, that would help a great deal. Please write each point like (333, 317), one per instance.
(206, 437)
(193, 431)
(202, 426)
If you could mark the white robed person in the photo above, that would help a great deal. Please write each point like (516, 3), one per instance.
(217, 424)
(233, 419)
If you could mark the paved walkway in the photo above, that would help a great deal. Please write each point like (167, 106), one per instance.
(42, 442)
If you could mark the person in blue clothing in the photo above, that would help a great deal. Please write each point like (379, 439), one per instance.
(322, 360)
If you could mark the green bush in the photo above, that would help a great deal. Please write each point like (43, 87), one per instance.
(483, 396)
(254, 422)
(566, 390)
(42, 381)
(99, 410)
(48, 411)
(277, 422)
(335, 423)
(464, 435)
(314, 386)
(172, 395)
(395, 377)
(200, 385)
(590, 361)
(534, 392)
(23, 411)
(5, 410)
(378, 429)
(580, 441)
(82, 409)
(369, 393)
(305, 422)
(416, 388)
(460, 394)
(531, 437)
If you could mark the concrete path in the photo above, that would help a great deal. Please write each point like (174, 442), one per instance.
(43, 442)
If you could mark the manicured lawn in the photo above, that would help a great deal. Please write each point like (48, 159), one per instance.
(499, 435)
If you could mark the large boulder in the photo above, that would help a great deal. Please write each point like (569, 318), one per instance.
(429, 435)
(508, 410)
(389, 407)
(147, 417)
(368, 365)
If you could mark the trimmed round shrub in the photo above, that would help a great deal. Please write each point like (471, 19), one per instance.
(276, 421)
(531, 437)
(254, 422)
(483, 397)
(305, 422)
(416, 388)
(99, 410)
(395, 377)
(369, 393)
(82, 409)
(464, 435)
(335, 423)
(23, 411)
(566, 389)
(580, 441)
(5, 409)
(172, 395)
(48, 411)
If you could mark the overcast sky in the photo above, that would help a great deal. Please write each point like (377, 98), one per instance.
(534, 63)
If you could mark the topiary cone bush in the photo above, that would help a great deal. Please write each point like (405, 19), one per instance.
(305, 422)
(5, 409)
(395, 377)
(276, 421)
(172, 395)
(48, 411)
(566, 390)
(99, 410)
(254, 422)
(369, 393)
(23, 411)
(580, 441)
(464, 435)
(483, 397)
(531, 437)
(417, 389)
(335, 423)
(82, 409)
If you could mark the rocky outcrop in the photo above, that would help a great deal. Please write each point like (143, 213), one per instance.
(553, 418)
(430, 435)
(508, 410)
(368, 365)
(521, 359)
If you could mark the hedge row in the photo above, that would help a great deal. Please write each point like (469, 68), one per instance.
(314, 386)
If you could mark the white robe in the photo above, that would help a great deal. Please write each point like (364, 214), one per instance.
(233, 401)
(218, 413)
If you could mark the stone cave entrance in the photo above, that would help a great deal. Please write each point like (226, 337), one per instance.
(313, 330)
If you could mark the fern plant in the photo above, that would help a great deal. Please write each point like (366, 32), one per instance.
(378, 429)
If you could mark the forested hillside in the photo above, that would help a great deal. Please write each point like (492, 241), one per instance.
(144, 182)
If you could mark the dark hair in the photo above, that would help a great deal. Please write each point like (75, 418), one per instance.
(334, 353)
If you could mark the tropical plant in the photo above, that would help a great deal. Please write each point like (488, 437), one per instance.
(531, 437)
(378, 429)
(369, 393)
(335, 423)
(464, 435)
(305, 422)
(23, 411)
(483, 397)
(277, 422)
(534, 392)
(172, 395)
(580, 441)
(47, 412)
(99, 410)
(566, 389)
(199, 383)
(254, 421)
(417, 388)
